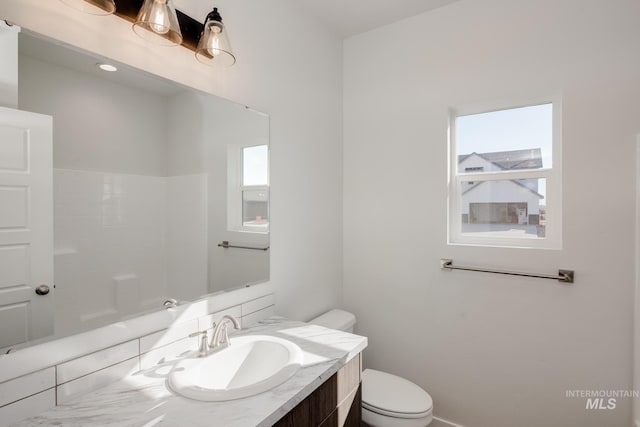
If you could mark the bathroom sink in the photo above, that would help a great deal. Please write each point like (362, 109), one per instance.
(252, 364)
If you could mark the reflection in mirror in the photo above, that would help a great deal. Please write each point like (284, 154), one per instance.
(149, 177)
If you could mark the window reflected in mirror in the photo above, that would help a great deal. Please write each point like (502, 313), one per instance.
(255, 188)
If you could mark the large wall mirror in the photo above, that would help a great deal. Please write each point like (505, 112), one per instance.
(149, 179)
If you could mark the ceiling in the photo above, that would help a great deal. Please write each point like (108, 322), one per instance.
(60, 54)
(350, 17)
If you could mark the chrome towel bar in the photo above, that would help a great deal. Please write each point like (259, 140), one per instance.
(564, 276)
(225, 244)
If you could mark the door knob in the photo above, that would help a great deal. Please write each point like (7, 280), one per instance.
(42, 290)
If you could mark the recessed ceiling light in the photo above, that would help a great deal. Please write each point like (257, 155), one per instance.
(107, 67)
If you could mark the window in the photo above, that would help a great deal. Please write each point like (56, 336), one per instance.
(248, 188)
(255, 188)
(505, 187)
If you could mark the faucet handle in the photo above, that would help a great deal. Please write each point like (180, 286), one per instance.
(204, 346)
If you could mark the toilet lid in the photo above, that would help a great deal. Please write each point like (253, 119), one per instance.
(394, 396)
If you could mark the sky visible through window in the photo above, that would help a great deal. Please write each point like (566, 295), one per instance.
(508, 130)
(255, 165)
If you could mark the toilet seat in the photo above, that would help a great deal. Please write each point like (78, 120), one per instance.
(393, 396)
(396, 414)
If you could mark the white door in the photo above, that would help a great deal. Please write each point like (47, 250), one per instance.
(26, 226)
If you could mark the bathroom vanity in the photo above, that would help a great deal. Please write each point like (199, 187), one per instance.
(325, 391)
(337, 402)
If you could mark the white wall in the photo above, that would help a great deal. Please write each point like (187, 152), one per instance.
(288, 66)
(9, 65)
(494, 351)
(636, 323)
(201, 130)
(187, 244)
(235, 126)
(110, 255)
(185, 134)
(98, 124)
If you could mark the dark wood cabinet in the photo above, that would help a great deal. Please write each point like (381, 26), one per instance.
(336, 403)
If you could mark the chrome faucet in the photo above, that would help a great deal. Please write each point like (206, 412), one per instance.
(220, 337)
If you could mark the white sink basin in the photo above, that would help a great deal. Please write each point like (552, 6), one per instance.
(252, 364)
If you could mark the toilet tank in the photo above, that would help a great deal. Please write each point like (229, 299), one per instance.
(336, 319)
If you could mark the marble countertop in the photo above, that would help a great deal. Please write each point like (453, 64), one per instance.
(142, 398)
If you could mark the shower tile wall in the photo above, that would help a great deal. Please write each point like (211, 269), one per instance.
(109, 246)
(187, 238)
(125, 243)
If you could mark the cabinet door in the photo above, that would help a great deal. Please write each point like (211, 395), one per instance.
(26, 227)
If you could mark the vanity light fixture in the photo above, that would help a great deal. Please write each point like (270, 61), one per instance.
(92, 7)
(214, 47)
(157, 22)
(107, 67)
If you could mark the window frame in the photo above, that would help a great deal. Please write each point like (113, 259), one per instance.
(552, 175)
(235, 189)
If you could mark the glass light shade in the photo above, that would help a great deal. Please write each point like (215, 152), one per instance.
(92, 7)
(214, 47)
(157, 22)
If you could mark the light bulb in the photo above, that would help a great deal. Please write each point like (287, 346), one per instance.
(159, 19)
(213, 44)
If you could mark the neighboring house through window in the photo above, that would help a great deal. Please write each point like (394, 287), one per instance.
(522, 199)
(505, 183)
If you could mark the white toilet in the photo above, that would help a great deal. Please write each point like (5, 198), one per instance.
(387, 400)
